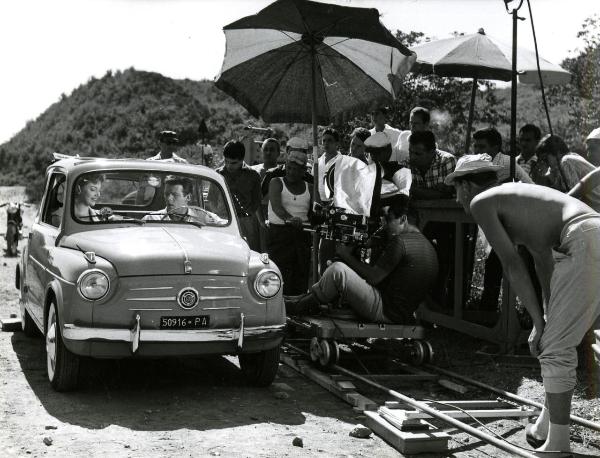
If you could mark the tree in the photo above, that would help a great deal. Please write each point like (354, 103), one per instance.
(581, 96)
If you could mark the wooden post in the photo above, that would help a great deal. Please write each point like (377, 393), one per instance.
(315, 153)
(513, 100)
(471, 111)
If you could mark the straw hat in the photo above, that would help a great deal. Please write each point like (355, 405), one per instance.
(470, 164)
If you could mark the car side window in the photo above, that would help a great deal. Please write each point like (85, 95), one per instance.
(54, 203)
(213, 199)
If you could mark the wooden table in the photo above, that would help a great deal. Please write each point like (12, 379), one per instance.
(507, 332)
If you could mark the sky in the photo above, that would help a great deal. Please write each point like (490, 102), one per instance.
(50, 47)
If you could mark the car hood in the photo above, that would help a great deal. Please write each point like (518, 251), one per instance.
(164, 250)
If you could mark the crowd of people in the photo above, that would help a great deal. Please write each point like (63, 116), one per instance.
(551, 266)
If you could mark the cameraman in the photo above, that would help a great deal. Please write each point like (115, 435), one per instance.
(390, 290)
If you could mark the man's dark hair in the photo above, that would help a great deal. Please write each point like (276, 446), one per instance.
(425, 138)
(383, 110)
(480, 178)
(330, 131)
(186, 183)
(422, 112)
(274, 141)
(234, 149)
(552, 144)
(532, 129)
(361, 133)
(398, 206)
(490, 135)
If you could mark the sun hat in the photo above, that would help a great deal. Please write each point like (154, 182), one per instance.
(471, 164)
(297, 143)
(594, 135)
(377, 140)
(298, 157)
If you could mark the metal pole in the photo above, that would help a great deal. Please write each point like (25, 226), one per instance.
(435, 413)
(509, 395)
(513, 100)
(315, 153)
(471, 110)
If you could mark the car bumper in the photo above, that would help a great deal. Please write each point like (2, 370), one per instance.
(103, 342)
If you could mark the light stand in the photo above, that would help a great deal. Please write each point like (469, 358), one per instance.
(513, 88)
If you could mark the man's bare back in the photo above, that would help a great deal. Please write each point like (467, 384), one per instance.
(532, 215)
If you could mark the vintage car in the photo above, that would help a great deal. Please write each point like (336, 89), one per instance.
(133, 258)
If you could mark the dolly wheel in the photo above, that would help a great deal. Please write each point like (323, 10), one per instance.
(330, 353)
(430, 352)
(315, 350)
(325, 352)
(417, 353)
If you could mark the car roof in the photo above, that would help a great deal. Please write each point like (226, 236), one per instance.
(78, 165)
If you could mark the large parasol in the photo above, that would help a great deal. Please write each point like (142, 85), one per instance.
(482, 57)
(309, 62)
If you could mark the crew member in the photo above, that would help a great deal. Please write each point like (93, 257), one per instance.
(566, 250)
(390, 290)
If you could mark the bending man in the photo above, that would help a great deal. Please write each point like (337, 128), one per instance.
(566, 250)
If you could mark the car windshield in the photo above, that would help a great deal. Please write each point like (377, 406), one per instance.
(148, 197)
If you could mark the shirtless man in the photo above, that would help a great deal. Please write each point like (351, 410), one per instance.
(563, 236)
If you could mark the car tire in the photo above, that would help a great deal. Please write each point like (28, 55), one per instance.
(260, 369)
(62, 365)
(27, 324)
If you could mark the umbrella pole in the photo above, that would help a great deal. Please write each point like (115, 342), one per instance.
(513, 99)
(471, 110)
(315, 153)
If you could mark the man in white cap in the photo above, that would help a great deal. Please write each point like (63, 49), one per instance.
(566, 250)
(395, 179)
(592, 146)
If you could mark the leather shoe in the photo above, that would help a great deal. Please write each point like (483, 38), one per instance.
(531, 439)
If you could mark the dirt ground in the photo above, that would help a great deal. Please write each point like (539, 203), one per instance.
(200, 407)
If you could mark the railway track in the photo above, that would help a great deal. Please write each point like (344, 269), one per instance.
(404, 421)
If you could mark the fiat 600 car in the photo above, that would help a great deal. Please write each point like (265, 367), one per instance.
(132, 258)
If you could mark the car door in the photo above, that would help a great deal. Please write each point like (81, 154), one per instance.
(41, 243)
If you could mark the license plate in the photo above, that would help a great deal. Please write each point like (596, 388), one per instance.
(184, 322)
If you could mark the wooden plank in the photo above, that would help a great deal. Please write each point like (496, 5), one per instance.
(10, 324)
(408, 442)
(412, 369)
(453, 386)
(345, 385)
(467, 405)
(402, 415)
(404, 377)
(356, 400)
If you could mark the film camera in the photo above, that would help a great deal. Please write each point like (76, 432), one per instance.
(335, 223)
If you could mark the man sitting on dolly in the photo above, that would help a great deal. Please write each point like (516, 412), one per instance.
(389, 290)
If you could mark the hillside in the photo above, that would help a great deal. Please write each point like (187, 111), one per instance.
(118, 115)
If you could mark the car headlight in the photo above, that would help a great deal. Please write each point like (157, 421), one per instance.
(267, 283)
(93, 284)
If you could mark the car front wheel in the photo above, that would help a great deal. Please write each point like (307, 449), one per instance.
(259, 369)
(63, 366)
